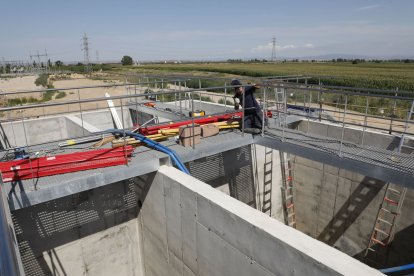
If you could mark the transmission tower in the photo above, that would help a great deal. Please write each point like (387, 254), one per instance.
(273, 59)
(39, 62)
(85, 49)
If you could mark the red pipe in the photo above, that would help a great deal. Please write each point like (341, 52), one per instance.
(201, 121)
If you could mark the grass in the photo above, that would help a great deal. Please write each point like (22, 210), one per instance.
(385, 75)
(60, 95)
(221, 101)
(42, 80)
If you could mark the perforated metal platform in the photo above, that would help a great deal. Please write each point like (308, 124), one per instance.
(29, 192)
(379, 163)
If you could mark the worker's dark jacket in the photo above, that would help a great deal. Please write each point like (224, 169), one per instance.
(252, 112)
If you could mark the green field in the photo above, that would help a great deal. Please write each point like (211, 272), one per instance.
(384, 75)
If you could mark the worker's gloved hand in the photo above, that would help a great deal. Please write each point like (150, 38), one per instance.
(236, 103)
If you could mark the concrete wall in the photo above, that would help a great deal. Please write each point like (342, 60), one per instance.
(91, 233)
(276, 194)
(54, 128)
(339, 207)
(102, 119)
(353, 135)
(37, 131)
(189, 228)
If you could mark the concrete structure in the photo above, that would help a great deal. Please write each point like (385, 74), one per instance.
(147, 218)
(167, 223)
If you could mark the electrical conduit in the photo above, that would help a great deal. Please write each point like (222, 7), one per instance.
(397, 268)
(157, 146)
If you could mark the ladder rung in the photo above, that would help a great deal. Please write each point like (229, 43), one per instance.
(390, 201)
(291, 215)
(266, 201)
(264, 210)
(394, 191)
(384, 221)
(290, 206)
(378, 241)
(267, 192)
(381, 231)
(371, 249)
(389, 212)
(289, 197)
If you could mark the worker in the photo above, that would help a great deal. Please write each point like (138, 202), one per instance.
(253, 116)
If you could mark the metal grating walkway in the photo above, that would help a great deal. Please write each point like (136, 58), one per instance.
(379, 163)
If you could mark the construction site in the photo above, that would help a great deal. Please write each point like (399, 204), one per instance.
(153, 177)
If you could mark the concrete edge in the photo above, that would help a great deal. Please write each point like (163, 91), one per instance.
(313, 248)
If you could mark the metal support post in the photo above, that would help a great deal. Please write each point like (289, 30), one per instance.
(243, 113)
(309, 110)
(179, 96)
(343, 125)
(284, 114)
(264, 111)
(192, 119)
(199, 94)
(80, 109)
(365, 121)
(393, 112)
(225, 95)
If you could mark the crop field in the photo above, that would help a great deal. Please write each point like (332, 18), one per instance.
(383, 75)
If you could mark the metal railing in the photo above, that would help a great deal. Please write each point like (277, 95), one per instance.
(368, 109)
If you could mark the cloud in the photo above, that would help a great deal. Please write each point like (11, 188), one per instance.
(368, 7)
(309, 46)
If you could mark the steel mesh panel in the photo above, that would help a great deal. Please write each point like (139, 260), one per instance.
(45, 226)
(233, 168)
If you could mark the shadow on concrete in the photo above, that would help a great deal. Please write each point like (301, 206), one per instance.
(21, 197)
(43, 227)
(356, 203)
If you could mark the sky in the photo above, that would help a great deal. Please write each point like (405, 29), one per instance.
(206, 30)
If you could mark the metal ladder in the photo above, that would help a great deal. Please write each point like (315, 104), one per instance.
(267, 182)
(384, 228)
(410, 114)
(287, 189)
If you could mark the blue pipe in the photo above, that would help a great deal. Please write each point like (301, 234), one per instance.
(152, 144)
(397, 268)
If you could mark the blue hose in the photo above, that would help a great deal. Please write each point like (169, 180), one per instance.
(152, 144)
(397, 268)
